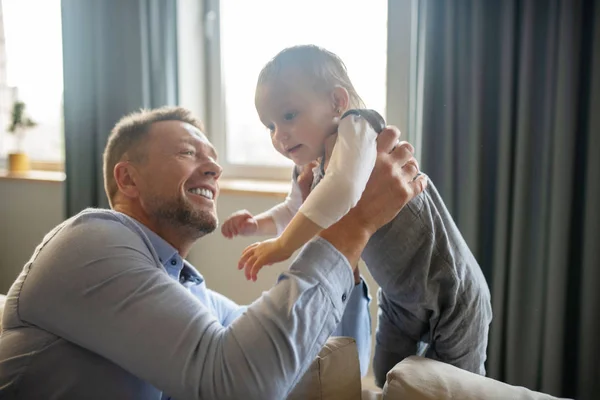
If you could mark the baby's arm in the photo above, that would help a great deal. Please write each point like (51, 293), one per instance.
(283, 212)
(271, 222)
(243, 223)
(349, 169)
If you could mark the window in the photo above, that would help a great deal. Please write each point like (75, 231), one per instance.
(31, 71)
(244, 35)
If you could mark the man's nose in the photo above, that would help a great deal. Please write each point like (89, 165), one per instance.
(213, 169)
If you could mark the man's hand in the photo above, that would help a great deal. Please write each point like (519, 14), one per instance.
(393, 183)
(239, 223)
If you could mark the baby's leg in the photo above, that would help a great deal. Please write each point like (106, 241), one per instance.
(422, 262)
(397, 337)
(461, 336)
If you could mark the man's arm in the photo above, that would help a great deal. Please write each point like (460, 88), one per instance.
(100, 289)
(355, 323)
(227, 310)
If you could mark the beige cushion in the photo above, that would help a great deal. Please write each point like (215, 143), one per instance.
(2, 301)
(370, 391)
(333, 375)
(418, 378)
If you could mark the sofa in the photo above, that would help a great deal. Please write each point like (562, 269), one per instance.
(335, 375)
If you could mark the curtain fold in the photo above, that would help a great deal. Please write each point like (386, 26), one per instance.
(119, 56)
(510, 137)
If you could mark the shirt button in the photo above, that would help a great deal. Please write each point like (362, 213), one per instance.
(173, 262)
(344, 297)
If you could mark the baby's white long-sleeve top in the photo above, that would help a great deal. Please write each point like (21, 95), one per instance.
(350, 166)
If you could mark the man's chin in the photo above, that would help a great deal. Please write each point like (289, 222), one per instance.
(194, 221)
(203, 222)
(207, 227)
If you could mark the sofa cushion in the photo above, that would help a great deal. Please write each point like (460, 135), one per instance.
(2, 302)
(418, 378)
(333, 375)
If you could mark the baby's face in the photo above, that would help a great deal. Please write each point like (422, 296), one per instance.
(298, 118)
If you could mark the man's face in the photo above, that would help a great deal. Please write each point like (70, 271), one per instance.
(178, 177)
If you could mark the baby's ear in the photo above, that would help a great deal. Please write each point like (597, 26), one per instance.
(340, 99)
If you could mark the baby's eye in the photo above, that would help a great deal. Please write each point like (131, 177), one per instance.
(289, 116)
(271, 128)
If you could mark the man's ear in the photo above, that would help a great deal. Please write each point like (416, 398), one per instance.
(341, 99)
(126, 177)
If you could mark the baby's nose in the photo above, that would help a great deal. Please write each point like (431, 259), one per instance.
(280, 135)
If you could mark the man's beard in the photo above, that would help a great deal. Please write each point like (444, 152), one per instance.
(177, 212)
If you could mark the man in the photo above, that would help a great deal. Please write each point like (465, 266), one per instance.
(107, 307)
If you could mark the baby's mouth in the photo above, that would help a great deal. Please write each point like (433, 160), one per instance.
(294, 148)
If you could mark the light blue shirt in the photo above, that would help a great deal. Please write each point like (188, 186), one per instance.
(108, 309)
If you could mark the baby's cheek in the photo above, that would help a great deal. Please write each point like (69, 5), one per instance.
(280, 149)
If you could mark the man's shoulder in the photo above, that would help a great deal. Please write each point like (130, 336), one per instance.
(100, 225)
(101, 219)
(94, 233)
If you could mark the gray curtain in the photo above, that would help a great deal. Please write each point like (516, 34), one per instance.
(119, 56)
(511, 137)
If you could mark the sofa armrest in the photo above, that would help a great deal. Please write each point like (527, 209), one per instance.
(419, 378)
(333, 375)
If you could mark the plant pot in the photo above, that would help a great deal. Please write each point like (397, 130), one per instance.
(18, 162)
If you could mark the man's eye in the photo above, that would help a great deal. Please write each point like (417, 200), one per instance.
(188, 152)
(289, 116)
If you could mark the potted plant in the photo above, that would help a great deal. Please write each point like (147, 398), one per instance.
(20, 123)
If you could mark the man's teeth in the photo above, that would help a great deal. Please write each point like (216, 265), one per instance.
(202, 192)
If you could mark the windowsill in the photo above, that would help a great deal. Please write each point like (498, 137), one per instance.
(54, 166)
(249, 187)
(254, 187)
(34, 176)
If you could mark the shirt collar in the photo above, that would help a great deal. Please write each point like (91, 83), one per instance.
(163, 249)
(166, 252)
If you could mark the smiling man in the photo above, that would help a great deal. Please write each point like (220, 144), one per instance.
(108, 308)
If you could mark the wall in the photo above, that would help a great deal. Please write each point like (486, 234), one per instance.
(28, 210)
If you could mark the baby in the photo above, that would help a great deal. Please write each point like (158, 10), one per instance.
(433, 295)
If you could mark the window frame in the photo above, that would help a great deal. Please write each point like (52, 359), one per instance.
(199, 45)
(35, 164)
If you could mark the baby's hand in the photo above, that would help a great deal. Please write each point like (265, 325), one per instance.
(260, 254)
(239, 223)
(305, 179)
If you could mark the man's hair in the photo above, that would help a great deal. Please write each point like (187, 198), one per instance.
(127, 138)
(321, 66)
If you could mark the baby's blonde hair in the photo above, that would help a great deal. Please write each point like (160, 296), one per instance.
(325, 68)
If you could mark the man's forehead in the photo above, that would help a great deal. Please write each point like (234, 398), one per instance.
(180, 131)
(195, 132)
